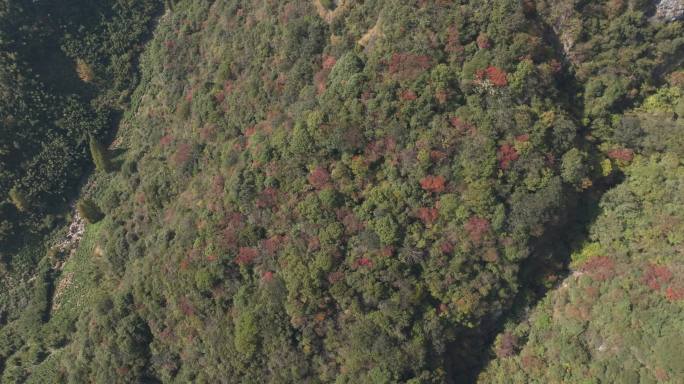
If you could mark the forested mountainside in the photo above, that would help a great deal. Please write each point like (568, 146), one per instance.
(619, 316)
(341, 191)
(66, 71)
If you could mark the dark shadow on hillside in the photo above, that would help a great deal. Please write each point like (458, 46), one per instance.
(540, 273)
(45, 57)
(550, 255)
(59, 75)
(117, 156)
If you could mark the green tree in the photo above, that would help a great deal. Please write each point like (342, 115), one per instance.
(100, 155)
(328, 4)
(89, 211)
(573, 166)
(18, 199)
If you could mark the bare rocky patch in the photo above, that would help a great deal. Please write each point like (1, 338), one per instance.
(70, 242)
(370, 37)
(64, 283)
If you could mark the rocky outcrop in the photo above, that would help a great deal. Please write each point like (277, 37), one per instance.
(566, 23)
(669, 10)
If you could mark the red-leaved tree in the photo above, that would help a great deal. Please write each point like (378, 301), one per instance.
(495, 75)
(427, 215)
(656, 276)
(600, 268)
(319, 178)
(246, 255)
(623, 154)
(506, 154)
(433, 183)
(477, 227)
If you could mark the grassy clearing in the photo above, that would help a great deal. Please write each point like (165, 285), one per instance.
(75, 288)
(84, 272)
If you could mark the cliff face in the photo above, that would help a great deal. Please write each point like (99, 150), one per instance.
(670, 10)
(569, 20)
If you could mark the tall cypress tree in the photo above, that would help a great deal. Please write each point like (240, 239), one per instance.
(100, 155)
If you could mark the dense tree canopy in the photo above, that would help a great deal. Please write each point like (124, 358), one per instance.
(619, 316)
(64, 70)
(337, 191)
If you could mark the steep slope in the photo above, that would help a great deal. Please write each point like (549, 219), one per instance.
(65, 70)
(322, 191)
(619, 317)
(294, 207)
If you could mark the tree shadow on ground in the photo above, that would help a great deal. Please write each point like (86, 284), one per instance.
(542, 272)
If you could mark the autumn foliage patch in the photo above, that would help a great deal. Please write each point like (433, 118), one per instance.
(267, 198)
(674, 293)
(362, 262)
(246, 255)
(272, 244)
(446, 247)
(477, 227)
(656, 276)
(600, 268)
(319, 178)
(166, 140)
(494, 75)
(441, 95)
(623, 154)
(453, 43)
(267, 276)
(408, 65)
(460, 125)
(437, 156)
(182, 155)
(428, 215)
(336, 276)
(507, 345)
(433, 183)
(329, 62)
(351, 223)
(408, 95)
(507, 154)
(483, 41)
(186, 306)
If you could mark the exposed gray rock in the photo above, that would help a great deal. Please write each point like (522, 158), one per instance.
(669, 10)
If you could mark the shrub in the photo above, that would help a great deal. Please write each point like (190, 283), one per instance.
(89, 211)
(85, 71)
(328, 4)
(18, 199)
